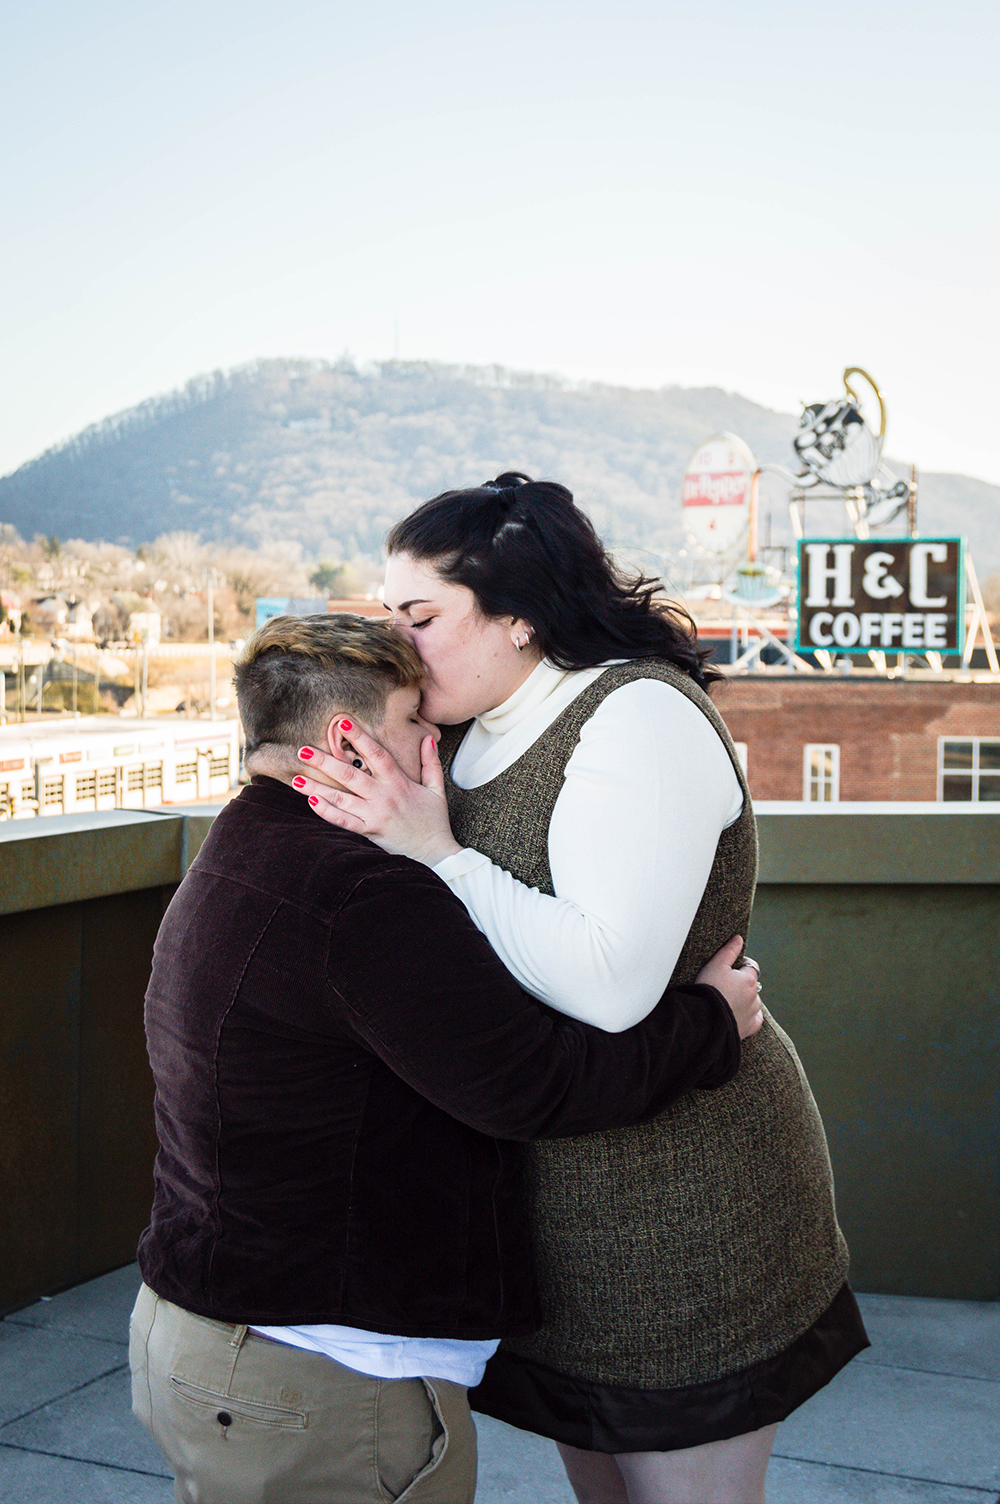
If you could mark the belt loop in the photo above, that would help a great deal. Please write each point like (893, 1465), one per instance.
(239, 1336)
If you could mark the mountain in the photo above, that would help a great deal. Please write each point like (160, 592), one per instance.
(329, 455)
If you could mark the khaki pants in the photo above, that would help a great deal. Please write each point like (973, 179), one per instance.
(242, 1420)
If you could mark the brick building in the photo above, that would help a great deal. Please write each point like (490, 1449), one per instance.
(831, 737)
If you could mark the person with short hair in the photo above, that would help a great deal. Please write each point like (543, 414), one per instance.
(345, 1078)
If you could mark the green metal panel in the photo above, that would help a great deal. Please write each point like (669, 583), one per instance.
(116, 1134)
(81, 900)
(39, 1090)
(892, 996)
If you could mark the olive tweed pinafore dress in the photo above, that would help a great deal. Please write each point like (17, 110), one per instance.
(692, 1272)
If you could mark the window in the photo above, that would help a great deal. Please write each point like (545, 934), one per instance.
(135, 781)
(86, 787)
(186, 772)
(821, 773)
(154, 775)
(52, 793)
(218, 767)
(107, 784)
(969, 769)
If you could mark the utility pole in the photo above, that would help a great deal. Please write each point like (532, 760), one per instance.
(211, 646)
(20, 672)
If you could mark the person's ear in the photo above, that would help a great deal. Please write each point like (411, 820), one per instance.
(521, 633)
(338, 741)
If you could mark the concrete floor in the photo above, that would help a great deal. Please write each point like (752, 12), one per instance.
(915, 1420)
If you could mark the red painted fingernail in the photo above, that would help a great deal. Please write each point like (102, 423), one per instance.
(298, 783)
(306, 754)
(346, 726)
(313, 800)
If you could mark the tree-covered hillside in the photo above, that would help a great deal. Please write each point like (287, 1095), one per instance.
(328, 456)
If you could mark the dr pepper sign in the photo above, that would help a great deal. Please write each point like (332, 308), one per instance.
(716, 492)
(903, 595)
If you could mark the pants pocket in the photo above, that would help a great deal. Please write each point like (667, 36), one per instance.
(410, 1436)
(228, 1408)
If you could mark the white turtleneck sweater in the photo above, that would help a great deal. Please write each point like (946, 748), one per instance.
(648, 790)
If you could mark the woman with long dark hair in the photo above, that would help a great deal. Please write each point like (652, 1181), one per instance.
(590, 811)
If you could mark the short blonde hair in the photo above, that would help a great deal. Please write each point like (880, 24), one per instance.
(296, 672)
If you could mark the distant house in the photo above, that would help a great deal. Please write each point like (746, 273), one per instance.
(50, 612)
(145, 626)
(63, 616)
(11, 604)
(79, 622)
(309, 422)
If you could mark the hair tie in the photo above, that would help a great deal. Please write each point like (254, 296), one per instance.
(510, 481)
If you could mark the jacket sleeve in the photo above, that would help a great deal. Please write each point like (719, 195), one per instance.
(418, 985)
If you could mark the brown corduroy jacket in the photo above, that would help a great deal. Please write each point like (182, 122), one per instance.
(339, 1058)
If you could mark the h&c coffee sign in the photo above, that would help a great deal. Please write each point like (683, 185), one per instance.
(903, 595)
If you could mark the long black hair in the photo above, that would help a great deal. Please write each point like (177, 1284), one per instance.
(526, 550)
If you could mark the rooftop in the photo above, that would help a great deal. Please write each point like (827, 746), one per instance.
(914, 1420)
(875, 925)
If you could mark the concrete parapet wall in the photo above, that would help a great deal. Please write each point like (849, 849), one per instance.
(81, 900)
(879, 938)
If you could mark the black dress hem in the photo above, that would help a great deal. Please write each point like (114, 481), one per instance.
(611, 1418)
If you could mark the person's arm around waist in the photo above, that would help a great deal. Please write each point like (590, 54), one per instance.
(419, 986)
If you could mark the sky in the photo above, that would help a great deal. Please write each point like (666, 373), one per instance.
(645, 194)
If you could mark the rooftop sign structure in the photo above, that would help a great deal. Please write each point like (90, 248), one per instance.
(837, 449)
(911, 598)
